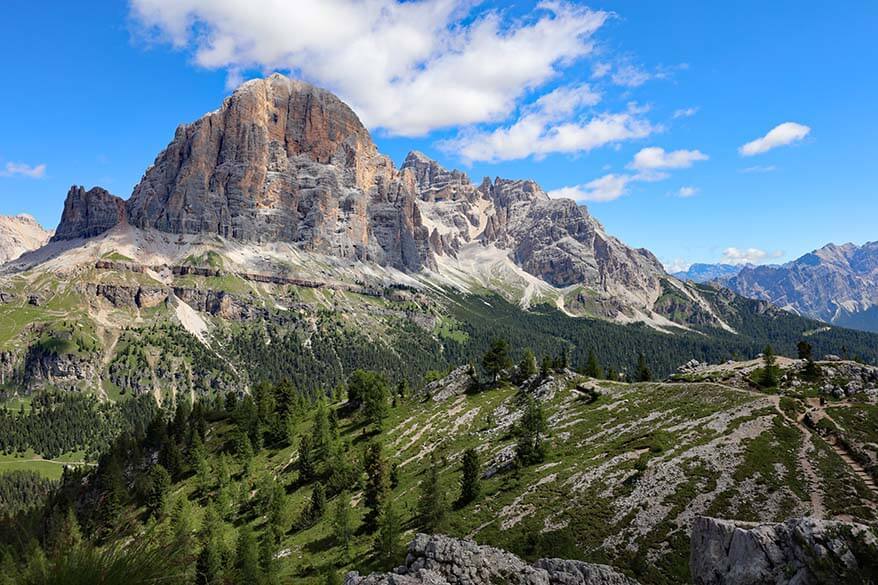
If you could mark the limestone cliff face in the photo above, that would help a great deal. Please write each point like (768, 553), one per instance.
(555, 240)
(284, 161)
(20, 234)
(440, 560)
(836, 284)
(89, 213)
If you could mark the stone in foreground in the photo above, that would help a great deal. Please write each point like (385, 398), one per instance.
(800, 551)
(441, 560)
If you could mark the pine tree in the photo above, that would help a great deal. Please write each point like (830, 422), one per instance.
(376, 489)
(159, 485)
(431, 502)
(318, 503)
(470, 479)
(592, 367)
(387, 546)
(527, 367)
(321, 434)
(545, 367)
(247, 557)
(369, 390)
(644, 374)
(267, 562)
(768, 376)
(342, 523)
(529, 448)
(307, 470)
(209, 565)
(496, 359)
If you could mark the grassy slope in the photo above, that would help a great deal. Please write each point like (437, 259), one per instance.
(622, 481)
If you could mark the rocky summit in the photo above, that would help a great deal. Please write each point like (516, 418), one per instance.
(802, 551)
(282, 161)
(20, 234)
(836, 284)
(440, 560)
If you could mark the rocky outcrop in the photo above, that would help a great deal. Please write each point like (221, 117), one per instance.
(44, 368)
(89, 213)
(282, 160)
(836, 284)
(456, 383)
(801, 551)
(440, 560)
(20, 234)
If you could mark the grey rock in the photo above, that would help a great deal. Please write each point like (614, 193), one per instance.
(801, 551)
(20, 234)
(836, 284)
(89, 213)
(441, 560)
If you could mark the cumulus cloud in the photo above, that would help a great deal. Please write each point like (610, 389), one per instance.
(546, 128)
(649, 163)
(406, 67)
(739, 256)
(630, 76)
(13, 169)
(677, 265)
(656, 158)
(780, 135)
(759, 169)
(685, 113)
(606, 188)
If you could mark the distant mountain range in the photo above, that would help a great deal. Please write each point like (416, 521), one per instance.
(836, 284)
(702, 273)
(20, 234)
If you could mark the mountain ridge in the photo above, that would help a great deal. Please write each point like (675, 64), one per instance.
(283, 161)
(837, 284)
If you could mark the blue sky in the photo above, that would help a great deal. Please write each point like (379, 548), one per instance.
(631, 103)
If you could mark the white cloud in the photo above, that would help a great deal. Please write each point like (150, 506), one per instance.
(677, 265)
(649, 164)
(780, 135)
(600, 70)
(406, 67)
(606, 188)
(685, 113)
(759, 169)
(12, 169)
(738, 256)
(548, 127)
(628, 75)
(655, 158)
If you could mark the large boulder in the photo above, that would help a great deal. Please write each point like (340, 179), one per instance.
(441, 560)
(800, 551)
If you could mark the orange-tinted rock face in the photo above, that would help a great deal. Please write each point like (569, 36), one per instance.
(283, 161)
(89, 213)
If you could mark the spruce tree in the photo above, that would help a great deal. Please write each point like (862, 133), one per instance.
(159, 485)
(318, 503)
(527, 367)
(307, 470)
(342, 524)
(496, 359)
(530, 448)
(592, 367)
(375, 491)
(644, 374)
(247, 557)
(431, 502)
(768, 376)
(470, 478)
(388, 550)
